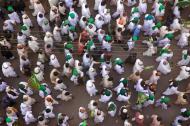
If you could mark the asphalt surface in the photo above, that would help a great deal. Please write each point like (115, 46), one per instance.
(81, 98)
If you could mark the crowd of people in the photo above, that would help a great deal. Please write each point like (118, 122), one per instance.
(88, 42)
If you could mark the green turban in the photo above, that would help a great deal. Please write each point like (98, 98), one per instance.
(42, 88)
(149, 17)
(161, 7)
(122, 91)
(107, 92)
(24, 28)
(165, 100)
(135, 38)
(169, 36)
(118, 61)
(112, 107)
(158, 25)
(8, 120)
(68, 57)
(10, 8)
(135, 20)
(108, 38)
(162, 51)
(89, 44)
(72, 15)
(161, 1)
(125, 81)
(91, 20)
(185, 56)
(135, 10)
(72, 28)
(186, 113)
(68, 46)
(151, 97)
(66, 22)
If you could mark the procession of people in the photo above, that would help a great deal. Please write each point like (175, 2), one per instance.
(79, 42)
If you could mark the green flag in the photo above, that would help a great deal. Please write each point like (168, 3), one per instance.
(142, 97)
(148, 67)
(34, 82)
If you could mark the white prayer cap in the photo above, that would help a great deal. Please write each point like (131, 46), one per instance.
(49, 34)
(141, 117)
(89, 84)
(52, 57)
(24, 16)
(36, 70)
(6, 65)
(124, 110)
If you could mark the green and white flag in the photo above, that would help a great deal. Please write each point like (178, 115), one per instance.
(34, 82)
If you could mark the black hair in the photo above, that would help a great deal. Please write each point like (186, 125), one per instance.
(60, 121)
(60, 81)
(103, 3)
(159, 118)
(48, 110)
(40, 15)
(67, 93)
(55, 73)
(40, 118)
(95, 104)
(79, 64)
(107, 62)
(48, 45)
(23, 58)
(180, 121)
(84, 19)
(119, 29)
(67, 65)
(61, 3)
(175, 84)
(142, 83)
(110, 79)
(185, 96)
(87, 55)
(20, 33)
